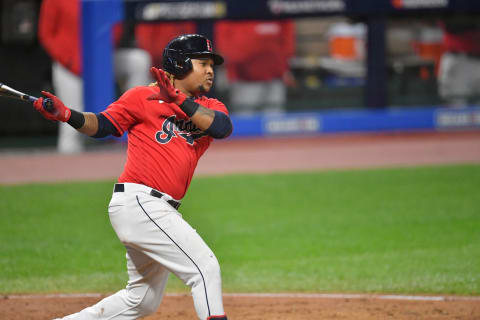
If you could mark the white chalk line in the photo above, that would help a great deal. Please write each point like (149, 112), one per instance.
(271, 295)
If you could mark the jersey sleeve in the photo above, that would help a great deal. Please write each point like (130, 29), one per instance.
(127, 111)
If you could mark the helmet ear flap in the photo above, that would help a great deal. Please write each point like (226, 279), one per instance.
(186, 67)
(177, 63)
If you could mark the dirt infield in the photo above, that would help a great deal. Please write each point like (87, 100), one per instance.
(180, 307)
(263, 155)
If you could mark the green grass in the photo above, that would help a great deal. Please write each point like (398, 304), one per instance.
(414, 231)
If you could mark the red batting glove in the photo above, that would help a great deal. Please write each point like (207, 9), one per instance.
(59, 113)
(168, 92)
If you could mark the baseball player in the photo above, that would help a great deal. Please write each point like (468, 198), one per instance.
(170, 124)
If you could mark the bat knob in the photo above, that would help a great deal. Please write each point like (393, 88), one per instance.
(48, 105)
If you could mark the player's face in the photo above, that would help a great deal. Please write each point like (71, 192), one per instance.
(200, 80)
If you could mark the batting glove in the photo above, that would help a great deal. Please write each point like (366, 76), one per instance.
(58, 111)
(168, 92)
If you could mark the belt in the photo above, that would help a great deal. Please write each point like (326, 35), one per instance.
(119, 187)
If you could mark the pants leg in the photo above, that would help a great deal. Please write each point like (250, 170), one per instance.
(458, 79)
(162, 234)
(158, 241)
(132, 67)
(69, 88)
(142, 295)
(264, 96)
(275, 96)
(246, 97)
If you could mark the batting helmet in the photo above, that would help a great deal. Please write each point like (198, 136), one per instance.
(179, 51)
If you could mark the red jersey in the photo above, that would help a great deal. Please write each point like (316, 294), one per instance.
(466, 42)
(164, 145)
(59, 32)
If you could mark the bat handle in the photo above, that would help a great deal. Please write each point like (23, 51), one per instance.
(47, 103)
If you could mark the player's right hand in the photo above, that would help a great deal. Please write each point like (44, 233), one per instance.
(59, 111)
(168, 92)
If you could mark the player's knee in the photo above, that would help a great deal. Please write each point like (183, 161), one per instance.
(148, 307)
(145, 299)
(213, 268)
(212, 272)
(208, 272)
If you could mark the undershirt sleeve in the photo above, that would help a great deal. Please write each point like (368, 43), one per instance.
(105, 127)
(221, 126)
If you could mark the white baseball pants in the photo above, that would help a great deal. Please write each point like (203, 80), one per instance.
(459, 79)
(247, 97)
(158, 241)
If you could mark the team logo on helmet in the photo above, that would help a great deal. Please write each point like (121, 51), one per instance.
(209, 45)
(173, 127)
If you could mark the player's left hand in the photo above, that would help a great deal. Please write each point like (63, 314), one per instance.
(168, 92)
(59, 111)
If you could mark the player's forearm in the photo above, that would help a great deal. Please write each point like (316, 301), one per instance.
(203, 118)
(90, 127)
(84, 122)
(93, 125)
(215, 123)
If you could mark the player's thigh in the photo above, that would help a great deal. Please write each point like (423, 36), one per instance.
(156, 229)
(137, 218)
(182, 250)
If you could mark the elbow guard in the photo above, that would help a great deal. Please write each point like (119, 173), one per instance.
(105, 127)
(221, 126)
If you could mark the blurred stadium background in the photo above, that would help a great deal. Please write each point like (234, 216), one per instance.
(351, 67)
(355, 66)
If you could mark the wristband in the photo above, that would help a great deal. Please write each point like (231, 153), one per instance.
(77, 119)
(189, 107)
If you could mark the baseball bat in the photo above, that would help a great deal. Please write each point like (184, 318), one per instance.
(6, 91)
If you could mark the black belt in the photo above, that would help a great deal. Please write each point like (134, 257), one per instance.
(119, 187)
